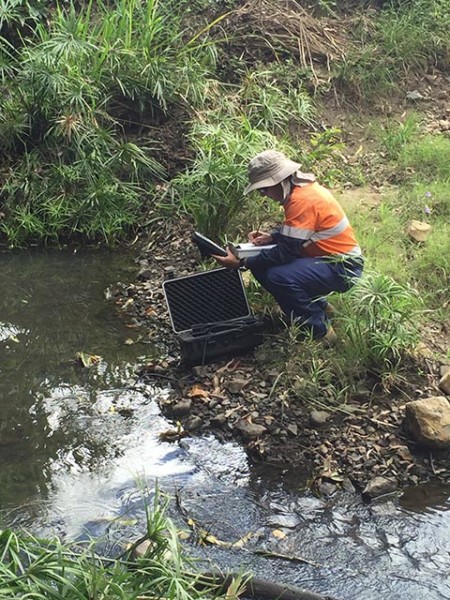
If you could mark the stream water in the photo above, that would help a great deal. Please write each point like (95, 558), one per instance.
(80, 449)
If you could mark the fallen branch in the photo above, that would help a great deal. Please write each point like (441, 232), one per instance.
(292, 558)
(254, 587)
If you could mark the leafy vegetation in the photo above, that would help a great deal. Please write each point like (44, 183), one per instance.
(70, 169)
(402, 38)
(38, 568)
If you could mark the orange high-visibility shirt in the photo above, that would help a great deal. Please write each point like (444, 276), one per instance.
(313, 214)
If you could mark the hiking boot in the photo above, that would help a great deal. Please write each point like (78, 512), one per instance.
(330, 310)
(330, 338)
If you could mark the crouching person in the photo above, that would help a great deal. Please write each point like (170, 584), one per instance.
(315, 250)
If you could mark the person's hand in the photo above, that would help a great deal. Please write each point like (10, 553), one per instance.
(230, 261)
(260, 238)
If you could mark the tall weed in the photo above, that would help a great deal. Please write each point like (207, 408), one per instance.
(380, 320)
(211, 190)
(69, 169)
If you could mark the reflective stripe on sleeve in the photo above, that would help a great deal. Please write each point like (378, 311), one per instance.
(331, 231)
(296, 232)
(355, 251)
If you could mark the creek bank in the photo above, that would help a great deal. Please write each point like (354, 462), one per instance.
(365, 440)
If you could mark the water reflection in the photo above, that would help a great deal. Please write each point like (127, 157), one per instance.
(52, 306)
(430, 497)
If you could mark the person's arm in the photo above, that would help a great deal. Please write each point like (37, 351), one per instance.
(260, 238)
(286, 250)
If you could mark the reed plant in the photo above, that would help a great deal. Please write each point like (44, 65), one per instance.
(240, 121)
(211, 190)
(380, 320)
(68, 168)
(377, 323)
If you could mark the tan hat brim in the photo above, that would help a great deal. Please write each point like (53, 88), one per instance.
(288, 169)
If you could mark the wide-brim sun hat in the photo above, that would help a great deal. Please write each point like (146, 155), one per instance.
(269, 168)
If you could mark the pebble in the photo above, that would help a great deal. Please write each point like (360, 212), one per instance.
(319, 417)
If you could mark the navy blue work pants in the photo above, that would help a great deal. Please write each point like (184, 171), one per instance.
(299, 287)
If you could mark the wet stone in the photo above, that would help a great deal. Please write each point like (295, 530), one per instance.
(287, 521)
(219, 420)
(236, 385)
(250, 430)
(327, 489)
(141, 550)
(181, 408)
(145, 274)
(348, 486)
(193, 424)
(379, 486)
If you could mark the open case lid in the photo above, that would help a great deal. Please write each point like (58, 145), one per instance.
(207, 297)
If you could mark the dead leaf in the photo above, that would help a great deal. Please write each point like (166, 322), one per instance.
(244, 539)
(231, 411)
(127, 303)
(279, 534)
(87, 360)
(197, 391)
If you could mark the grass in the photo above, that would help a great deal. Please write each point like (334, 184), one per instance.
(428, 158)
(41, 569)
(398, 40)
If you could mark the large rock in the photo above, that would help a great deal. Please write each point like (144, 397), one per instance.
(428, 421)
(418, 230)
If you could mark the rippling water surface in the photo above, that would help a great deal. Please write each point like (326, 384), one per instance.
(80, 449)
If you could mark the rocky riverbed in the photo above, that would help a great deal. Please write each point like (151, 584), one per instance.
(364, 445)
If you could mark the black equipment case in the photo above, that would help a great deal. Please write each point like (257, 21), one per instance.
(210, 314)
